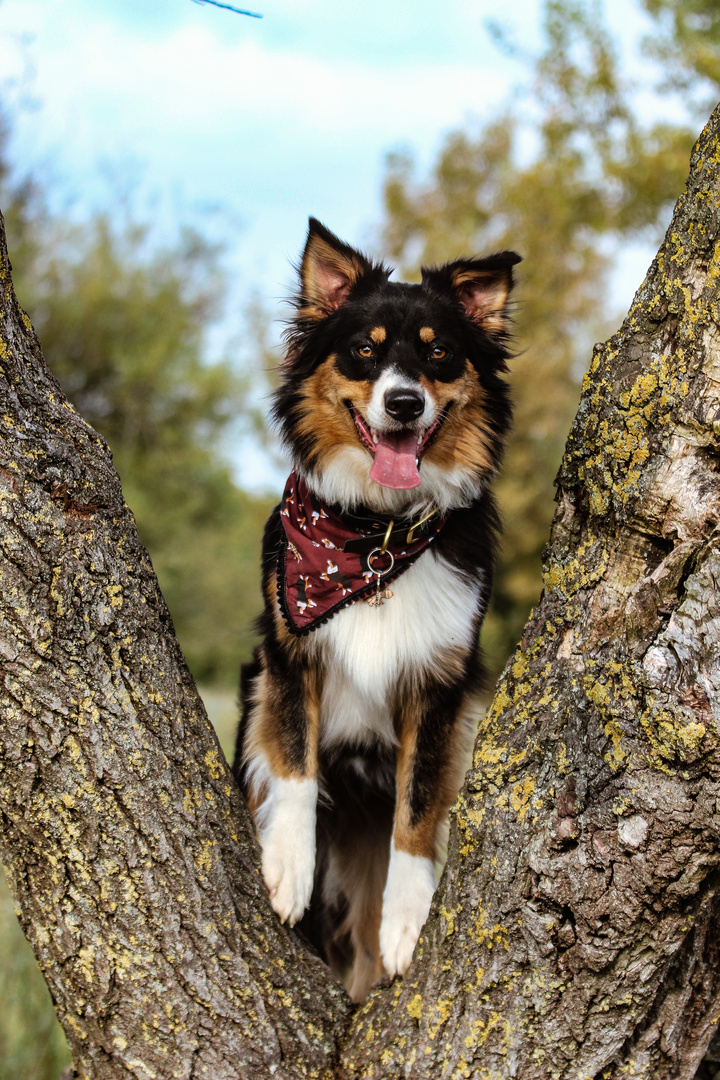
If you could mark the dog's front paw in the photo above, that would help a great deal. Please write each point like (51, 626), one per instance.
(406, 902)
(287, 838)
(288, 869)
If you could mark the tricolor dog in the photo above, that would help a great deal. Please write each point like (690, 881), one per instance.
(377, 568)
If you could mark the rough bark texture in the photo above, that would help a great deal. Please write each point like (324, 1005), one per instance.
(575, 930)
(128, 849)
(574, 934)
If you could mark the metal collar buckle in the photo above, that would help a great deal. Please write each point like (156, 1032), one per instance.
(394, 534)
(409, 539)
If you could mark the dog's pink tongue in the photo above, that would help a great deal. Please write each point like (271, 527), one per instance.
(394, 465)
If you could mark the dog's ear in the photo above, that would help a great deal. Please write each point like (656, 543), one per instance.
(328, 271)
(482, 287)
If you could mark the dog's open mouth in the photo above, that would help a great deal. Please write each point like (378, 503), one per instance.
(397, 454)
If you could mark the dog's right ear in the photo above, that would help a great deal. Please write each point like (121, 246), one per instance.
(328, 271)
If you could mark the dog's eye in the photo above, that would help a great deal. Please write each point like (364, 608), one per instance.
(438, 353)
(366, 351)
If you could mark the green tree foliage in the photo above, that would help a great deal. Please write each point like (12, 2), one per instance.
(686, 41)
(123, 326)
(32, 1043)
(562, 176)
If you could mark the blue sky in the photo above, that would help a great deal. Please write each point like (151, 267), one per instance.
(190, 107)
(273, 119)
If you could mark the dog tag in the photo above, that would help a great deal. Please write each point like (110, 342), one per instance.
(380, 594)
(379, 597)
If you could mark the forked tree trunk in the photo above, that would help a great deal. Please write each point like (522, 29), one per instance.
(574, 934)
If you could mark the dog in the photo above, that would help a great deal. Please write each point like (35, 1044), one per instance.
(377, 564)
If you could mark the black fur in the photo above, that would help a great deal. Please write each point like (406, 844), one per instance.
(340, 301)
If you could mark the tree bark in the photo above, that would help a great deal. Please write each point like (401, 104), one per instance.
(574, 933)
(128, 849)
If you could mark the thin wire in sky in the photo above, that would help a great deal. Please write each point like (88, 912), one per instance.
(229, 7)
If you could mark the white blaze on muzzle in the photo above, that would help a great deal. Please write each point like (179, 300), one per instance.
(396, 453)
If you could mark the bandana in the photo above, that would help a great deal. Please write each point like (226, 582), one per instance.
(323, 560)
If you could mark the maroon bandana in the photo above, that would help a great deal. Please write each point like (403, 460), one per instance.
(323, 559)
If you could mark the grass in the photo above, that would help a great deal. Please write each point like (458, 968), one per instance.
(32, 1042)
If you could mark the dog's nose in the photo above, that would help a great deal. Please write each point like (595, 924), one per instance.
(404, 404)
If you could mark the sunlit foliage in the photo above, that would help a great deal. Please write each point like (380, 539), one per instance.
(123, 326)
(563, 176)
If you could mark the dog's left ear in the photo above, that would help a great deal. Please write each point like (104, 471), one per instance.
(482, 287)
(328, 271)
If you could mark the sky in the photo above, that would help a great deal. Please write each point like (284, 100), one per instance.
(271, 119)
(248, 126)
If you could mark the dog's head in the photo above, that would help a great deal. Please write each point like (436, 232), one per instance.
(390, 394)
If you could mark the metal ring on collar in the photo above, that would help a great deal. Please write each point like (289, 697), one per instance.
(386, 541)
(379, 551)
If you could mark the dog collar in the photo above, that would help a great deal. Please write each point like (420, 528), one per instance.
(328, 560)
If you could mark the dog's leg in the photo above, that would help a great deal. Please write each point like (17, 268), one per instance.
(430, 765)
(280, 755)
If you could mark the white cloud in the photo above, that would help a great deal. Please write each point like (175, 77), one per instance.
(190, 79)
(275, 118)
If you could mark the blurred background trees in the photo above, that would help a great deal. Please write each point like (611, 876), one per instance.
(569, 173)
(124, 325)
(566, 176)
(580, 164)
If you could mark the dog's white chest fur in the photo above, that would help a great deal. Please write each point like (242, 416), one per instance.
(365, 649)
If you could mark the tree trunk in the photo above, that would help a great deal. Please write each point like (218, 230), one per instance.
(128, 849)
(574, 934)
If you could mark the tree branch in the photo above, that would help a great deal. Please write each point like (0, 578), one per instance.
(575, 930)
(129, 851)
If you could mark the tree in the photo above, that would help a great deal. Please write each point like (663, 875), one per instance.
(124, 325)
(561, 177)
(572, 933)
(124, 322)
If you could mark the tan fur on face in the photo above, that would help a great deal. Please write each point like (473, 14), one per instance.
(326, 423)
(427, 334)
(465, 438)
(378, 334)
